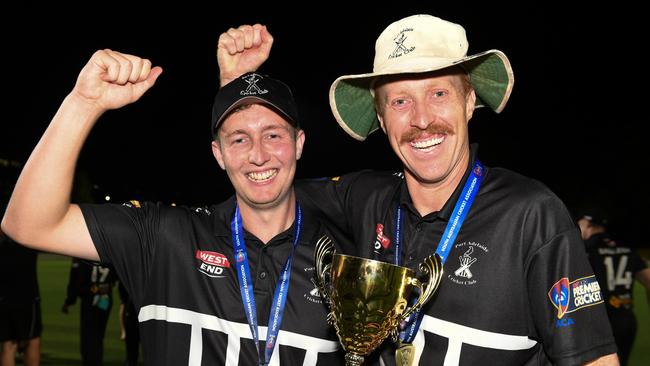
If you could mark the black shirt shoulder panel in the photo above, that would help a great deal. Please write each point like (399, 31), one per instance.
(532, 206)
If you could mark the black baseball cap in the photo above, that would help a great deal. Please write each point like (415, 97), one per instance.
(257, 89)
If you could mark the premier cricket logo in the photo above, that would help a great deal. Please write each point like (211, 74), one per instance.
(212, 264)
(253, 88)
(400, 48)
(568, 297)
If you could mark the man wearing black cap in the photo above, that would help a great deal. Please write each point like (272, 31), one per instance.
(616, 267)
(229, 284)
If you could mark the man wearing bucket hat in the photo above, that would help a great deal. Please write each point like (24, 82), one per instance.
(227, 284)
(616, 266)
(517, 288)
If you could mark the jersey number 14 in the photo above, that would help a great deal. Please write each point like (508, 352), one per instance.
(617, 275)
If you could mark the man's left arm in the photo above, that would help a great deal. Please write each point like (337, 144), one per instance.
(564, 295)
(609, 360)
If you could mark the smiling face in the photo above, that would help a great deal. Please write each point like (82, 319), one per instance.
(425, 117)
(258, 149)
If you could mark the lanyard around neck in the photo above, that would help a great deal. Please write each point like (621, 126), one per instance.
(246, 285)
(463, 204)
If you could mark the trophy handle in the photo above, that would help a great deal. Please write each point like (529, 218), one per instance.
(323, 253)
(432, 266)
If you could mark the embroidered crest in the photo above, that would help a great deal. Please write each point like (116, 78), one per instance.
(253, 88)
(472, 252)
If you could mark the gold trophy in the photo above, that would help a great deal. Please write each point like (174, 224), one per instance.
(368, 299)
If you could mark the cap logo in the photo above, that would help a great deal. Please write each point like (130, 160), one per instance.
(400, 48)
(253, 88)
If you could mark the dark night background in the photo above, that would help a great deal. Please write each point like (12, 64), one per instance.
(573, 120)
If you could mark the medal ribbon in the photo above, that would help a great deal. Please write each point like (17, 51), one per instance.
(246, 285)
(463, 204)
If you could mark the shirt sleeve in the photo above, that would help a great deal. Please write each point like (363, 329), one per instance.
(565, 299)
(125, 237)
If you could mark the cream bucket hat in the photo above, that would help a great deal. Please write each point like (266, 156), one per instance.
(416, 44)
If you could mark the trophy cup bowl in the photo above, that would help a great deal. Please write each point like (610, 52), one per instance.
(367, 298)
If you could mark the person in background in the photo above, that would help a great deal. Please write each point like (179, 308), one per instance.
(20, 304)
(129, 332)
(616, 266)
(93, 284)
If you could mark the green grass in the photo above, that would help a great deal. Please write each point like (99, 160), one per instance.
(641, 352)
(60, 340)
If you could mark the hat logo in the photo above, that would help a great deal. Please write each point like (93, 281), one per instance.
(400, 48)
(252, 88)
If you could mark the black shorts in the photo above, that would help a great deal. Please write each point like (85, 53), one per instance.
(20, 322)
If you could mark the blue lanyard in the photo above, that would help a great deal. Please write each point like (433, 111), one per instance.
(459, 214)
(246, 285)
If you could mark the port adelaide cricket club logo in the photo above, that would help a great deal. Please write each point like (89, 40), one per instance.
(252, 87)
(401, 48)
(313, 295)
(212, 264)
(463, 273)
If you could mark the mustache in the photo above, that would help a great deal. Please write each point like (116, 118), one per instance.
(432, 129)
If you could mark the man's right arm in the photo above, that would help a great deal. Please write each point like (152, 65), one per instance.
(39, 213)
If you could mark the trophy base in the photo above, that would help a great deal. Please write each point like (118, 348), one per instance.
(352, 359)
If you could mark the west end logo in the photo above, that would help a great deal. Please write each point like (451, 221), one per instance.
(400, 48)
(253, 88)
(212, 263)
(463, 274)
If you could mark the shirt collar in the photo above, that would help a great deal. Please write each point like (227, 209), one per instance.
(223, 213)
(446, 211)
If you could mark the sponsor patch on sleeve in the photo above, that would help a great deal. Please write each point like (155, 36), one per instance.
(568, 297)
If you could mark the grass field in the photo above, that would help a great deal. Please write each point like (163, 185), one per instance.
(641, 351)
(60, 341)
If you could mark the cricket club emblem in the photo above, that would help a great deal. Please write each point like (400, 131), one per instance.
(466, 261)
(252, 88)
(400, 48)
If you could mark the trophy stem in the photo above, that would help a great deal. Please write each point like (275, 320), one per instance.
(353, 359)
